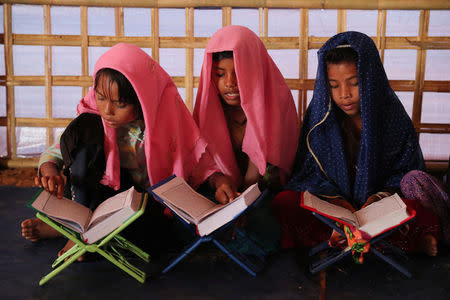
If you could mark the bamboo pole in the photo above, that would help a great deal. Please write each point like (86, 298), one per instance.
(9, 70)
(341, 20)
(303, 61)
(381, 33)
(312, 4)
(226, 16)
(19, 163)
(155, 34)
(391, 42)
(189, 76)
(266, 22)
(84, 46)
(83, 81)
(48, 75)
(420, 70)
(398, 85)
(263, 23)
(118, 15)
(42, 122)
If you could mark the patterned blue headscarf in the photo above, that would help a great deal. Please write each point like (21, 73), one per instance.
(389, 145)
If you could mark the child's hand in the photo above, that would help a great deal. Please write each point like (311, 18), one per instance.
(50, 179)
(375, 197)
(225, 189)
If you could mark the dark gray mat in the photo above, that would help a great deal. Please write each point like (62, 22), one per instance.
(206, 274)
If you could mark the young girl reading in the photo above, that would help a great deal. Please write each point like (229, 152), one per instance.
(246, 112)
(133, 129)
(245, 109)
(356, 144)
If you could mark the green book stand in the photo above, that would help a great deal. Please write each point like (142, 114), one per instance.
(109, 247)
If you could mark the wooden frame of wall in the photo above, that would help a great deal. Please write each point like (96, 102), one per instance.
(302, 43)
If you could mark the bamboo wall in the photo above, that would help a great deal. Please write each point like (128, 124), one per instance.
(304, 42)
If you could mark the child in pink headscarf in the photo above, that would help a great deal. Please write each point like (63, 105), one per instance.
(133, 129)
(245, 110)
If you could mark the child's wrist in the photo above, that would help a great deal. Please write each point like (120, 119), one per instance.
(214, 179)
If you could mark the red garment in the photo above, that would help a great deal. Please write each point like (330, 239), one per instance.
(301, 229)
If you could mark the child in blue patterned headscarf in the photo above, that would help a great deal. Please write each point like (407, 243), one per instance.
(356, 144)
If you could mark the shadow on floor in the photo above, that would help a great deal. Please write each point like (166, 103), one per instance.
(205, 274)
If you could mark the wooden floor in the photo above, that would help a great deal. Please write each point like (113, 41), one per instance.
(205, 274)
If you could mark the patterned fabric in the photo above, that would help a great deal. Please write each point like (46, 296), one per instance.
(272, 124)
(389, 145)
(52, 154)
(132, 151)
(430, 193)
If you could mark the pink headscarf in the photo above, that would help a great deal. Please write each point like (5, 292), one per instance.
(272, 123)
(173, 144)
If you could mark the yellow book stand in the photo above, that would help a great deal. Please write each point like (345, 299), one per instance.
(109, 247)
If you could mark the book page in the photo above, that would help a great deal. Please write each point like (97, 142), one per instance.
(229, 212)
(180, 195)
(328, 209)
(250, 194)
(382, 214)
(100, 229)
(111, 205)
(63, 209)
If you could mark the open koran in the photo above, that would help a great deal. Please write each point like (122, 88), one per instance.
(373, 220)
(91, 226)
(196, 209)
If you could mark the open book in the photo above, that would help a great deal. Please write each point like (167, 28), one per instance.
(196, 209)
(373, 220)
(91, 226)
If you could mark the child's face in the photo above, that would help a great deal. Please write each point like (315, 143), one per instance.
(343, 81)
(115, 113)
(224, 77)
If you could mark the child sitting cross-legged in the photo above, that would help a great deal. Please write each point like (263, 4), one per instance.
(357, 143)
(132, 129)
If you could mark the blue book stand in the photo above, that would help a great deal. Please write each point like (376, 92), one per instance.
(336, 254)
(252, 264)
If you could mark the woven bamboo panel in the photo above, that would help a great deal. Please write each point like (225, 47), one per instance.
(303, 43)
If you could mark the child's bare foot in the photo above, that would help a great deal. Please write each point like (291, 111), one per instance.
(35, 229)
(429, 245)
